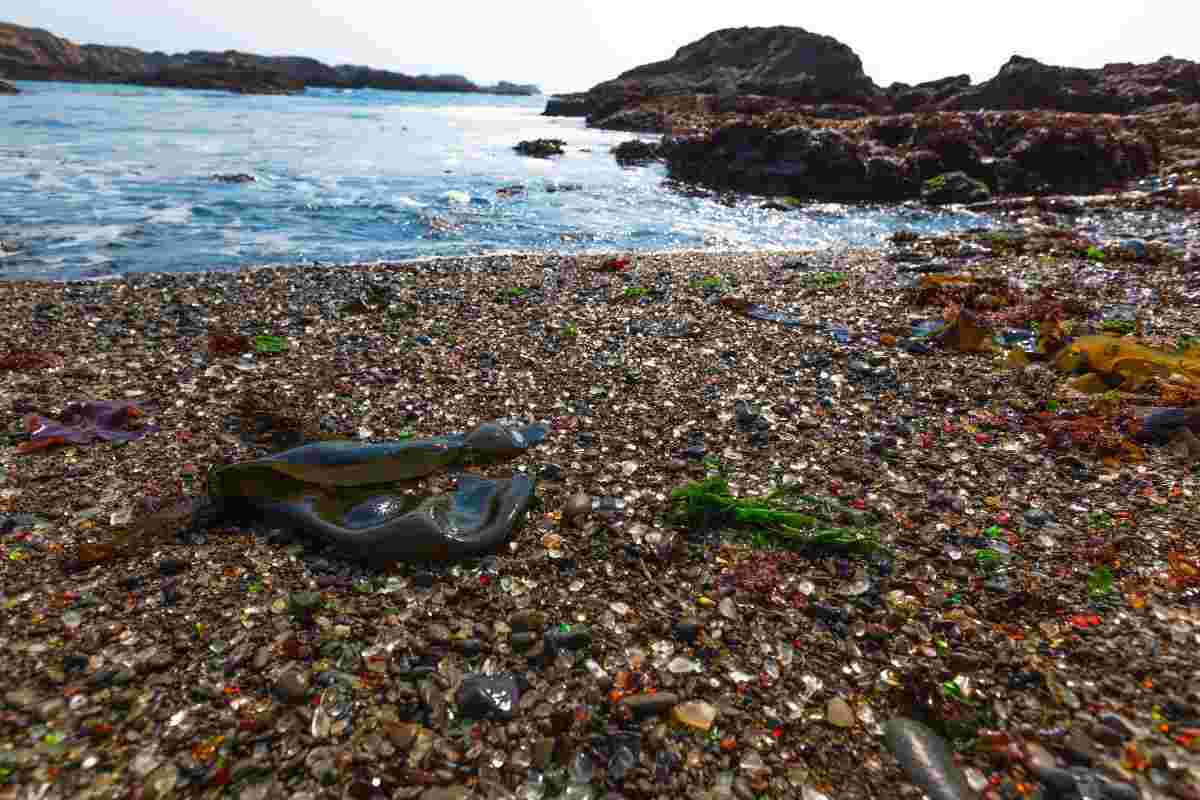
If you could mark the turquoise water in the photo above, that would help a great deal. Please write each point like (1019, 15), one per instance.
(97, 181)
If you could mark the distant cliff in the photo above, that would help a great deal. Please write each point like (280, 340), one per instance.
(37, 55)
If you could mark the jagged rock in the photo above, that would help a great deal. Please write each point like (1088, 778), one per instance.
(890, 158)
(757, 70)
(954, 187)
(8, 88)
(635, 120)
(239, 177)
(1025, 83)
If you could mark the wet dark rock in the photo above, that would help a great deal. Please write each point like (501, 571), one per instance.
(687, 630)
(481, 696)
(954, 187)
(636, 151)
(551, 472)
(541, 148)
(239, 177)
(8, 88)
(926, 760)
(1037, 518)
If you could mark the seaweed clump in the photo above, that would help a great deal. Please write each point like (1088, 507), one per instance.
(781, 518)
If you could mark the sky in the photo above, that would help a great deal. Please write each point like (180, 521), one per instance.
(571, 45)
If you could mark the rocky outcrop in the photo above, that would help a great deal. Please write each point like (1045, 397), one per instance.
(1024, 83)
(893, 157)
(905, 98)
(33, 54)
(745, 70)
(784, 62)
(635, 151)
(567, 105)
(8, 88)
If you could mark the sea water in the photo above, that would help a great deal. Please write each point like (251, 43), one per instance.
(100, 180)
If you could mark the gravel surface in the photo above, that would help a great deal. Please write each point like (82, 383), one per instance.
(1026, 584)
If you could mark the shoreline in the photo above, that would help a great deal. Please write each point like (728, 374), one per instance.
(651, 375)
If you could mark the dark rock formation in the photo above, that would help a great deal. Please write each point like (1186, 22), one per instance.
(892, 157)
(8, 88)
(33, 54)
(635, 152)
(234, 177)
(541, 148)
(759, 70)
(1024, 83)
(954, 187)
(778, 61)
(905, 98)
(567, 105)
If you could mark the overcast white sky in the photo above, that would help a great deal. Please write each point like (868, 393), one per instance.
(570, 45)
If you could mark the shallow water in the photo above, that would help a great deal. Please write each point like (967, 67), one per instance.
(102, 180)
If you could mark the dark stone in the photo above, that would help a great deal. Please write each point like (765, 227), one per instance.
(688, 629)
(541, 148)
(567, 105)
(424, 579)
(954, 187)
(8, 88)
(636, 151)
(481, 697)
(173, 566)
(648, 705)
(239, 177)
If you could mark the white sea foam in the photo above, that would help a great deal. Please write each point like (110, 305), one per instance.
(174, 215)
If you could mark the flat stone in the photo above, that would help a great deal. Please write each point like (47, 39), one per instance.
(695, 714)
(838, 712)
(647, 704)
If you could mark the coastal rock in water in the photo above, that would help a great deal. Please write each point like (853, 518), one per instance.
(567, 105)
(239, 177)
(636, 151)
(926, 760)
(541, 148)
(342, 493)
(8, 88)
(954, 187)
